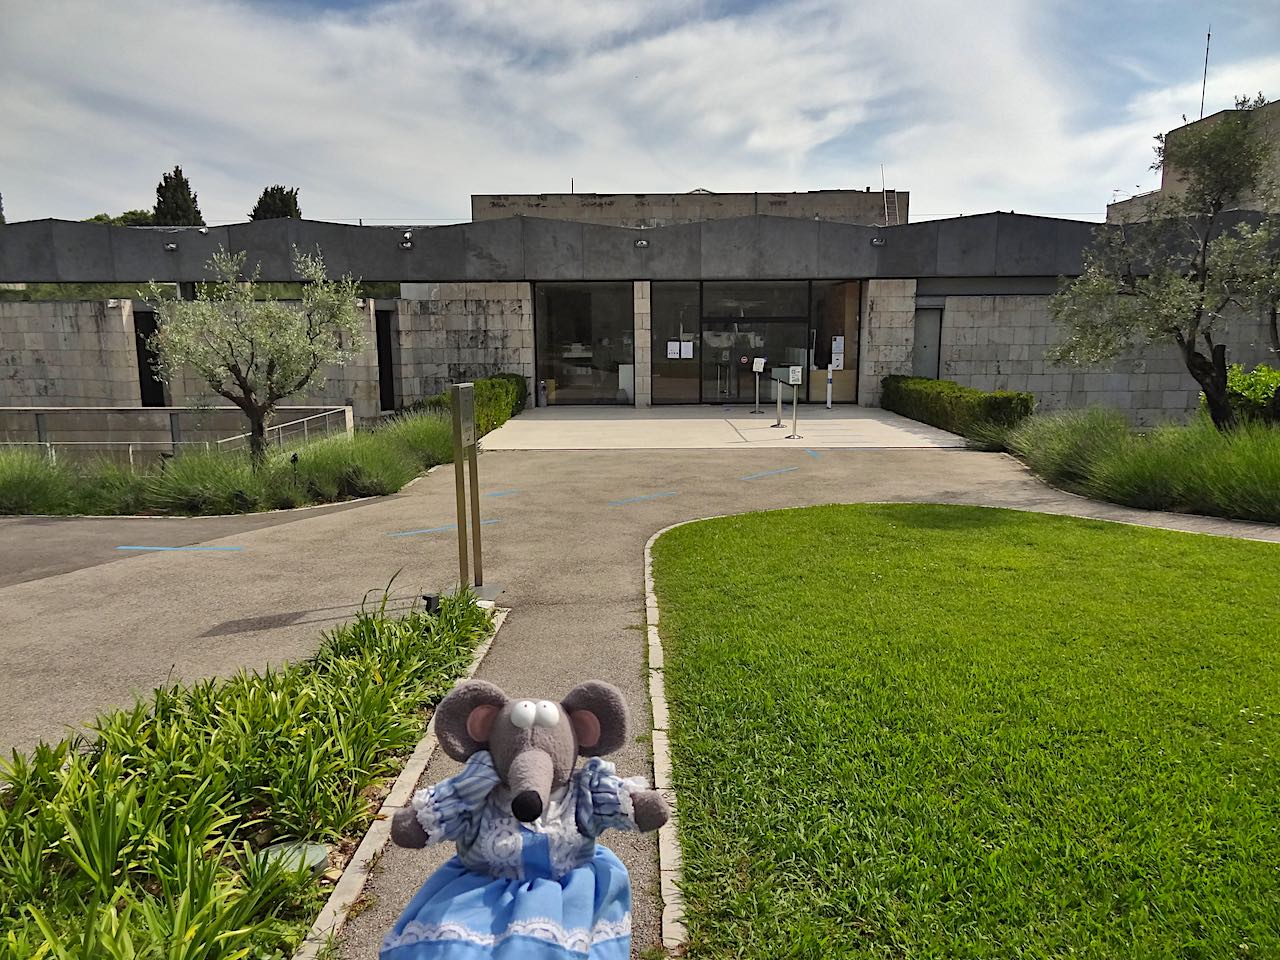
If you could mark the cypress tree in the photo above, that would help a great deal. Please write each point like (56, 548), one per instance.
(277, 202)
(176, 203)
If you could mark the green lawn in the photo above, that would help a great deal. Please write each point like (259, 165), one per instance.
(926, 731)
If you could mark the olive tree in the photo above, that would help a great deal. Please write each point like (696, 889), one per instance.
(1174, 276)
(254, 350)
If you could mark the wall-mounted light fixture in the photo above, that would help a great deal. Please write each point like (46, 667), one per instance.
(171, 246)
(641, 244)
(877, 241)
(406, 244)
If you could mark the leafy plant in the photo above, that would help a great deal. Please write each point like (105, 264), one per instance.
(143, 839)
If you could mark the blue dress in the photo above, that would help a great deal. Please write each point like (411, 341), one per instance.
(521, 890)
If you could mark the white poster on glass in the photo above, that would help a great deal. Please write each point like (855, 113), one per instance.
(686, 349)
(673, 349)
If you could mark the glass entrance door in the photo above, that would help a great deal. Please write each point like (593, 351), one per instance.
(730, 346)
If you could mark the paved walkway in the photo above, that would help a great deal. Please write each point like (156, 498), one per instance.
(567, 541)
(712, 428)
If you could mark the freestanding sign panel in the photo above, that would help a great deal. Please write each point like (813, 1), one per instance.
(795, 376)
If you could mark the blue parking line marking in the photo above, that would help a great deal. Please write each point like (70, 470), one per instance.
(768, 473)
(813, 453)
(648, 496)
(502, 493)
(209, 549)
(451, 526)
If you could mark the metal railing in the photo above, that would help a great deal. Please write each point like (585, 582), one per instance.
(163, 420)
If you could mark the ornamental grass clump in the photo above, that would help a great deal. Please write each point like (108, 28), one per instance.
(144, 838)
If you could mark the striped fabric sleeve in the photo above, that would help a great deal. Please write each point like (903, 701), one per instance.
(449, 808)
(604, 798)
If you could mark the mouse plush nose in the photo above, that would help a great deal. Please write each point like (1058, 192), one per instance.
(527, 806)
(529, 779)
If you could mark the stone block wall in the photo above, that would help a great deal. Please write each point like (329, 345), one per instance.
(887, 334)
(354, 384)
(643, 343)
(451, 332)
(68, 354)
(998, 343)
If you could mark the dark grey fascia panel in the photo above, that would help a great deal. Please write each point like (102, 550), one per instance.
(27, 252)
(552, 248)
(984, 286)
(909, 250)
(527, 248)
(845, 251)
(967, 246)
(491, 250)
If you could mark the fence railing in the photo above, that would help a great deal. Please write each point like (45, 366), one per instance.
(130, 434)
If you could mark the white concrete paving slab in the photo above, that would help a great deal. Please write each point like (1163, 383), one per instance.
(711, 428)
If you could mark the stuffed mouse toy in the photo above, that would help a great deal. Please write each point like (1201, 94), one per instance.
(528, 880)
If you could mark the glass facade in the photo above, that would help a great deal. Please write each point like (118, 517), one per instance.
(677, 350)
(707, 335)
(585, 342)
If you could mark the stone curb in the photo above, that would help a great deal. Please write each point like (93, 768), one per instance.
(351, 884)
(674, 932)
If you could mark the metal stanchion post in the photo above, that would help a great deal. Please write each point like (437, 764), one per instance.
(757, 409)
(475, 517)
(777, 391)
(461, 435)
(795, 413)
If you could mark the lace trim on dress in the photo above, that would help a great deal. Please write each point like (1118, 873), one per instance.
(578, 939)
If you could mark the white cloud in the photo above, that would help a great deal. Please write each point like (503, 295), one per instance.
(401, 111)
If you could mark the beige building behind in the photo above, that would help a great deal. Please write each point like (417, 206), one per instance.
(1172, 183)
(869, 207)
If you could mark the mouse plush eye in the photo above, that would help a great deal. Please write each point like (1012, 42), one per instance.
(548, 714)
(523, 714)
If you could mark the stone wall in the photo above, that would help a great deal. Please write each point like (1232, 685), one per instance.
(354, 384)
(643, 343)
(998, 343)
(452, 332)
(887, 333)
(68, 354)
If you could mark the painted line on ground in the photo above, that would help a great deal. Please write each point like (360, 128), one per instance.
(452, 526)
(648, 496)
(213, 549)
(813, 453)
(502, 493)
(768, 473)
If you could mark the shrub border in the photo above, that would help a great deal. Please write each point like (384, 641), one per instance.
(349, 887)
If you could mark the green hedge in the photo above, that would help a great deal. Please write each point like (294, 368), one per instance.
(498, 399)
(950, 406)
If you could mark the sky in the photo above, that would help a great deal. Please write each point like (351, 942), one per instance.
(396, 112)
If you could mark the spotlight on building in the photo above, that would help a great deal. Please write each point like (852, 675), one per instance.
(407, 235)
(203, 231)
(642, 244)
(406, 244)
(877, 241)
(171, 246)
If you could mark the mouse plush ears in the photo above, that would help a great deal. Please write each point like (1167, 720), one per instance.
(465, 717)
(598, 712)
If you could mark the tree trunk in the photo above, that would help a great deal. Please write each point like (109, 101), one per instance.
(1275, 330)
(1211, 374)
(257, 439)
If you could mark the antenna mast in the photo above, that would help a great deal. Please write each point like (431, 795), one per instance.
(1204, 81)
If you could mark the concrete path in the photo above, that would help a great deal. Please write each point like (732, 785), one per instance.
(712, 428)
(567, 541)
